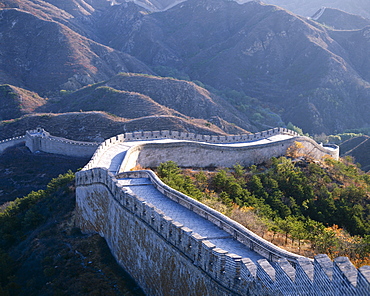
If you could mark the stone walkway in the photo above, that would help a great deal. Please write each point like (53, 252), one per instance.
(143, 187)
(112, 159)
(114, 155)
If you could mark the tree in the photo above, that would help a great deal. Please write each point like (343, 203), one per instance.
(299, 232)
(286, 226)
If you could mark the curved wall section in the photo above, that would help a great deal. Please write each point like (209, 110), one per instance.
(200, 154)
(11, 142)
(162, 255)
(167, 258)
(40, 140)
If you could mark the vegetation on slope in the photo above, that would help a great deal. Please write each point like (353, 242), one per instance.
(43, 253)
(321, 207)
(22, 171)
(15, 101)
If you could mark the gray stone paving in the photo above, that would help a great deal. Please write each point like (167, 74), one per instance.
(112, 159)
(114, 155)
(186, 217)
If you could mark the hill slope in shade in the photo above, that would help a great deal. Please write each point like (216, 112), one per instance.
(15, 102)
(264, 51)
(43, 253)
(308, 8)
(22, 171)
(340, 20)
(358, 148)
(44, 55)
(133, 96)
(98, 126)
(314, 77)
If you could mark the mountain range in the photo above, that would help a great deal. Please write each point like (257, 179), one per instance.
(254, 65)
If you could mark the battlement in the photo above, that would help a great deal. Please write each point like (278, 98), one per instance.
(313, 147)
(41, 140)
(284, 273)
(4, 144)
(150, 244)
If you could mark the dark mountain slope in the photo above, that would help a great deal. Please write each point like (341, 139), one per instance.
(134, 96)
(15, 102)
(22, 171)
(308, 8)
(356, 43)
(259, 49)
(102, 98)
(43, 253)
(98, 126)
(182, 96)
(340, 20)
(359, 148)
(44, 55)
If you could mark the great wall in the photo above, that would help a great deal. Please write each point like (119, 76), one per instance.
(173, 245)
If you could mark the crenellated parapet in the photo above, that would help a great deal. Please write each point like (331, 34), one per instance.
(281, 273)
(41, 140)
(169, 258)
(152, 135)
(4, 144)
(146, 141)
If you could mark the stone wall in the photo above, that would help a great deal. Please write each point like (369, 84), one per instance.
(11, 142)
(167, 258)
(40, 140)
(198, 154)
(255, 154)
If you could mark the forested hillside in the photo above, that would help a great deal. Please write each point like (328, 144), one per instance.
(315, 207)
(43, 253)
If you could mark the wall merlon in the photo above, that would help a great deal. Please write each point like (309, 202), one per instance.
(304, 270)
(323, 275)
(324, 265)
(249, 269)
(286, 268)
(363, 284)
(232, 267)
(129, 136)
(266, 272)
(206, 256)
(186, 242)
(149, 214)
(344, 267)
(175, 233)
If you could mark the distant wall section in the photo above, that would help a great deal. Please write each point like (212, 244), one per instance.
(11, 142)
(198, 154)
(40, 140)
